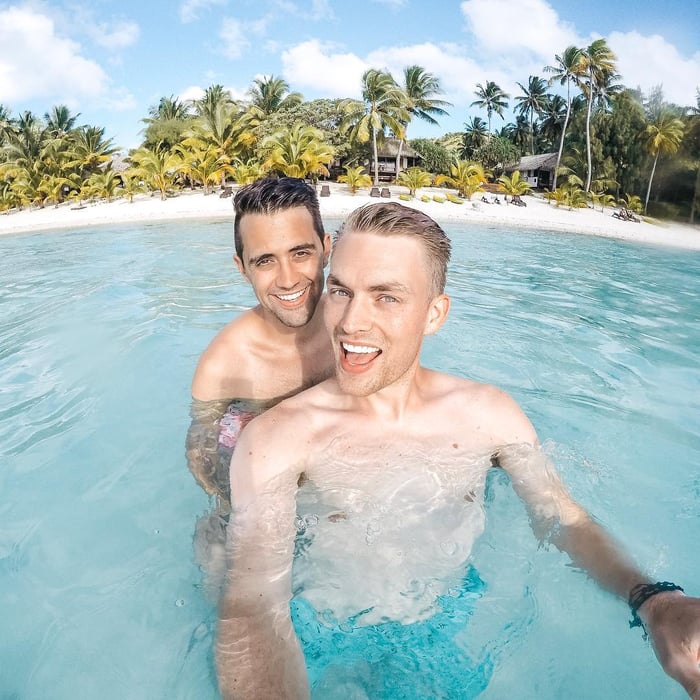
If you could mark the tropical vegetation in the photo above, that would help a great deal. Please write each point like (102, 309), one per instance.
(612, 143)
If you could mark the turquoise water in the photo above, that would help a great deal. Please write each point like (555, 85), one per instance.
(101, 329)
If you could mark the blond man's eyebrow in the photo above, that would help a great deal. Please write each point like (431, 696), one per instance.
(383, 287)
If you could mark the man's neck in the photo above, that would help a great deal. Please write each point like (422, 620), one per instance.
(279, 333)
(394, 402)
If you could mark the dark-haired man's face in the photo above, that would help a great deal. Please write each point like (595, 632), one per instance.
(283, 259)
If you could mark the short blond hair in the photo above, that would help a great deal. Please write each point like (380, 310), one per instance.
(393, 219)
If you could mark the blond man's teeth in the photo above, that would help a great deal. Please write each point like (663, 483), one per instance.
(359, 349)
(290, 297)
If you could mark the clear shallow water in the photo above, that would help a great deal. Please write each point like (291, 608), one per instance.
(101, 329)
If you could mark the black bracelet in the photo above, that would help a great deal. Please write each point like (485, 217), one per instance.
(642, 592)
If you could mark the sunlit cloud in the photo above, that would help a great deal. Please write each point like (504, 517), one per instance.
(313, 64)
(535, 28)
(648, 61)
(191, 10)
(234, 39)
(118, 36)
(391, 3)
(27, 38)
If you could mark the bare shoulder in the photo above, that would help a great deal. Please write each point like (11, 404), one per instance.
(225, 359)
(486, 407)
(282, 440)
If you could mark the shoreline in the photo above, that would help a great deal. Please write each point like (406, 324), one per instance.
(539, 214)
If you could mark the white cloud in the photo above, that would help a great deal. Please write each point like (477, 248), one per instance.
(648, 61)
(233, 36)
(526, 27)
(321, 9)
(191, 9)
(391, 3)
(457, 73)
(120, 101)
(36, 63)
(191, 93)
(118, 36)
(313, 64)
(196, 92)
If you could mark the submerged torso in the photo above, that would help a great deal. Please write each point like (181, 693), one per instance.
(387, 528)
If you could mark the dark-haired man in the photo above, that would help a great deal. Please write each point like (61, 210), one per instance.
(275, 349)
(384, 465)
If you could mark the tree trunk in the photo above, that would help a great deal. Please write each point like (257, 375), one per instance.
(651, 179)
(563, 134)
(588, 132)
(376, 157)
(696, 198)
(398, 159)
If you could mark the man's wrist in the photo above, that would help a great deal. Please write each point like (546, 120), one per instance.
(644, 596)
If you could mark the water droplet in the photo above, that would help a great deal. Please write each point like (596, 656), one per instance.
(449, 548)
(179, 602)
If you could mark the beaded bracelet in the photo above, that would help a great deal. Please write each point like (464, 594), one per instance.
(642, 592)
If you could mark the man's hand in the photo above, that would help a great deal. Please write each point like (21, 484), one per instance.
(672, 621)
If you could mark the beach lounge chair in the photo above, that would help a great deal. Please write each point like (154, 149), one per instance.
(386, 192)
(374, 192)
(325, 191)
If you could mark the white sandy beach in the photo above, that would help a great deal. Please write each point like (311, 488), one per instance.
(538, 214)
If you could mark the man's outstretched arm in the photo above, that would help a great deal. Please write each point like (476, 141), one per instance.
(671, 619)
(257, 652)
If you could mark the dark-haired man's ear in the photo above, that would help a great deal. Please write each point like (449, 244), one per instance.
(241, 267)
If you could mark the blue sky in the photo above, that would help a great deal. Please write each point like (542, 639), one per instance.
(112, 61)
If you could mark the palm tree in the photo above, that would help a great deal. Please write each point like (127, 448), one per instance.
(212, 99)
(414, 178)
(297, 152)
(90, 149)
(156, 167)
(355, 178)
(465, 176)
(59, 121)
(381, 107)
(491, 98)
(597, 65)
(270, 94)
(5, 123)
(475, 135)
(513, 184)
(568, 69)
(103, 184)
(168, 108)
(662, 136)
(220, 125)
(532, 102)
(419, 90)
(201, 162)
(243, 173)
(550, 127)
